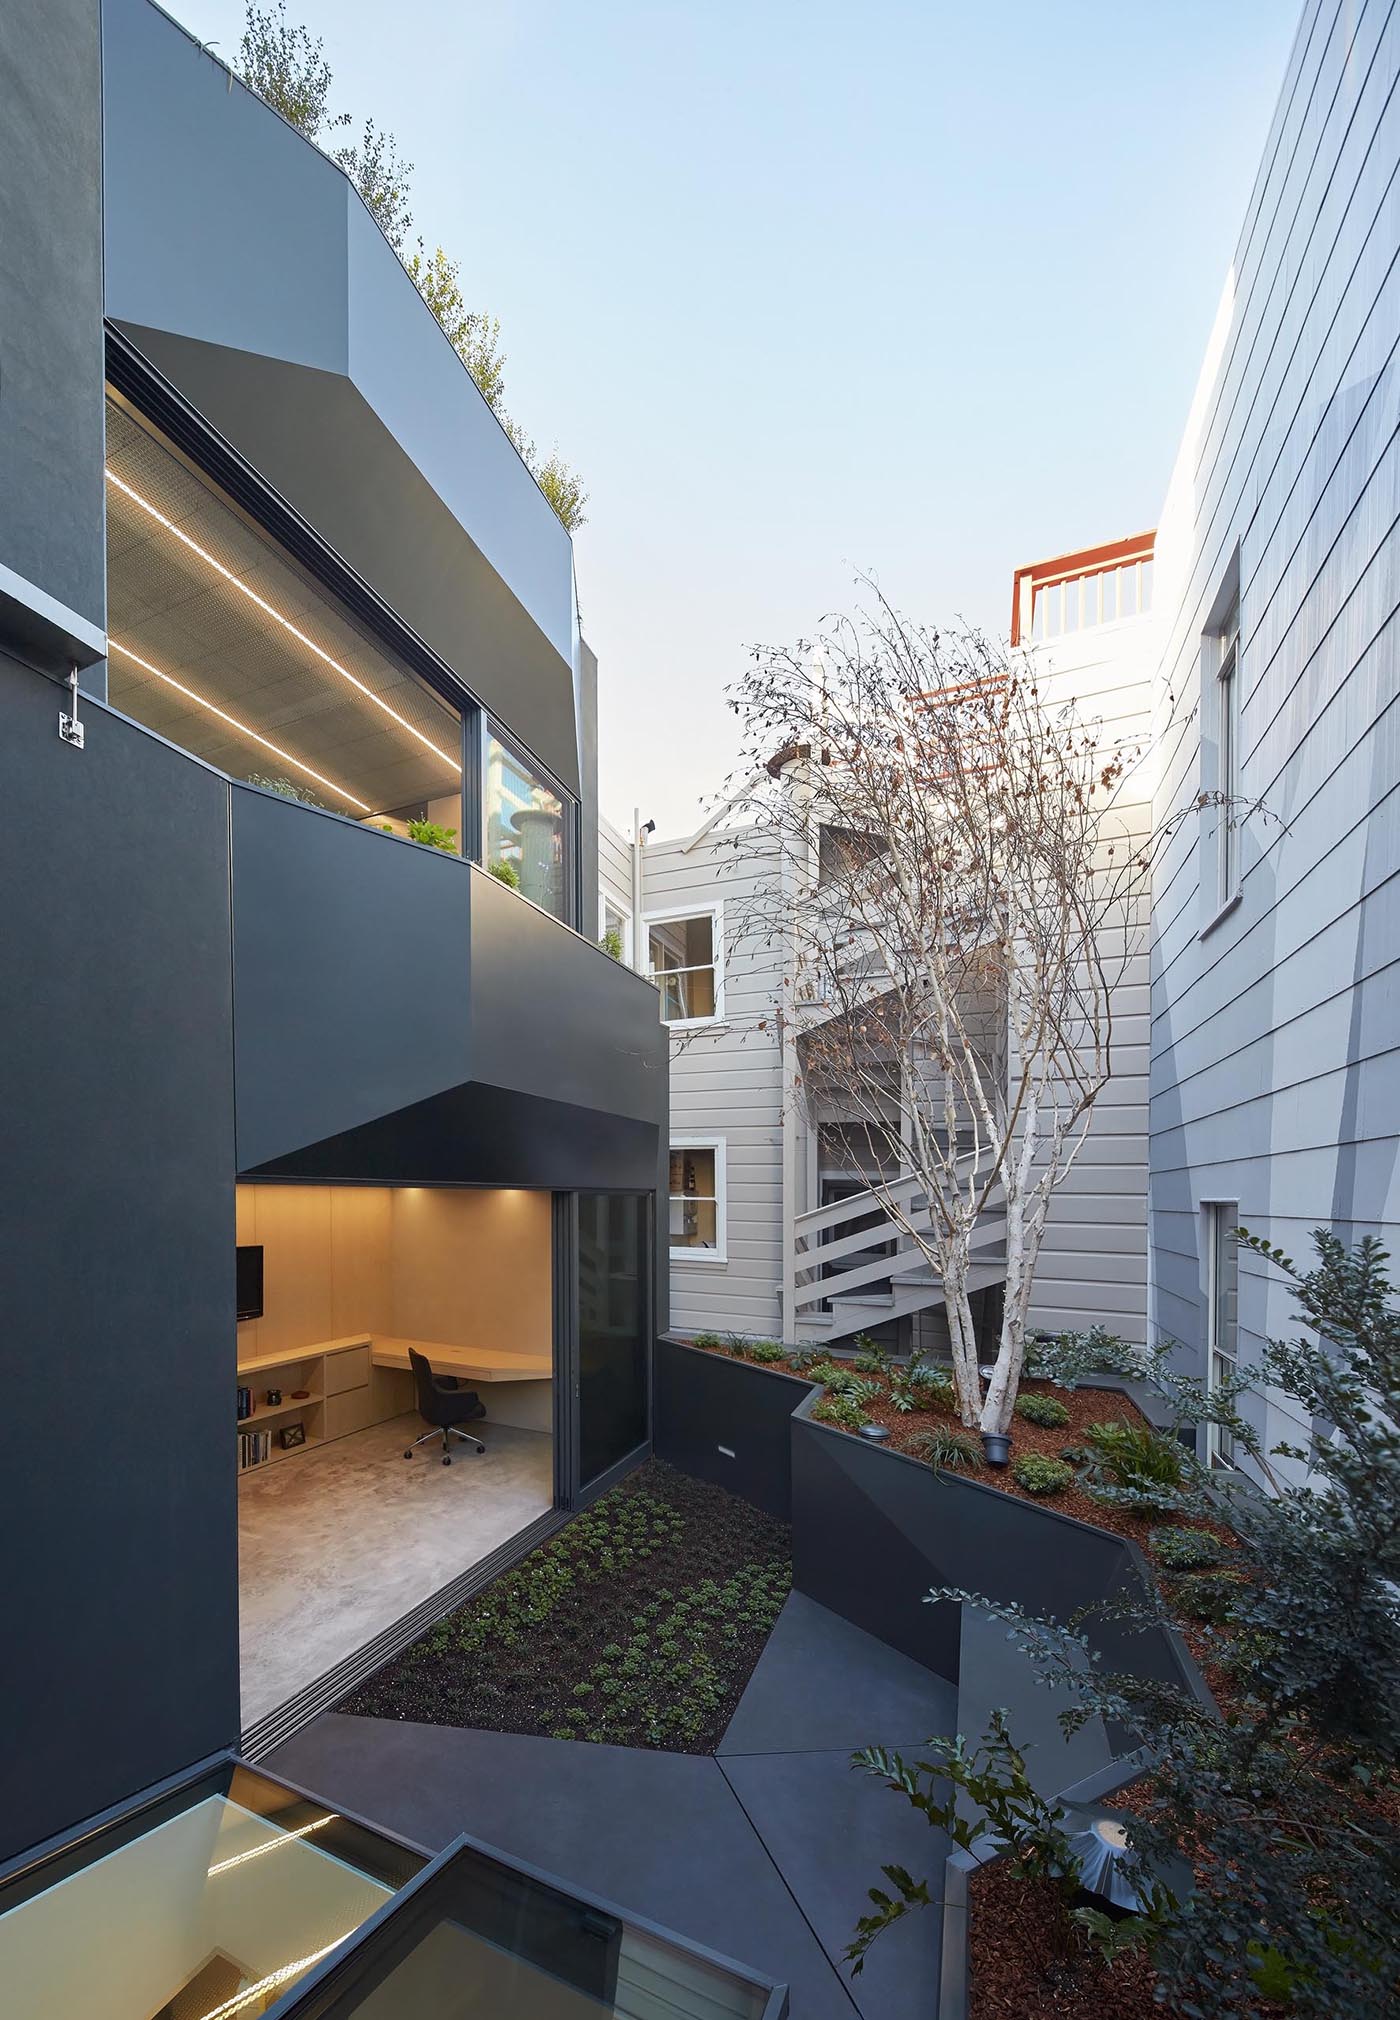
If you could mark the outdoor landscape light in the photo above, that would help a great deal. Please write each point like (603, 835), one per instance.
(1104, 1851)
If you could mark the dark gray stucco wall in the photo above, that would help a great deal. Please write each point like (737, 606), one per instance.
(51, 496)
(404, 1018)
(727, 1422)
(116, 1257)
(244, 266)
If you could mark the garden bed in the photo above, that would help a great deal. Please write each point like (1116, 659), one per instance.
(638, 1624)
(907, 1428)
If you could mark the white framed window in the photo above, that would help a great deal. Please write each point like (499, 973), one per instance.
(1227, 729)
(1221, 1218)
(697, 1203)
(685, 959)
(1221, 755)
(614, 927)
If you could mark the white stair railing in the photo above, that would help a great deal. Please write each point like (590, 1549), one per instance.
(829, 1235)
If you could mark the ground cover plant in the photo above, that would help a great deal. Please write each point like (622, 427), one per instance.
(1267, 1840)
(639, 1624)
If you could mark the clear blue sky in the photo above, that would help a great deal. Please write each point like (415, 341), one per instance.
(806, 287)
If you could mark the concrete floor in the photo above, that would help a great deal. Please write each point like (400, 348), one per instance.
(336, 1544)
(763, 1851)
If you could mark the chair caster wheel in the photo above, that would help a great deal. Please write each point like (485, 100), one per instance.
(445, 1460)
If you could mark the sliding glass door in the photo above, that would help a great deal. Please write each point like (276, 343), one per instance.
(614, 1316)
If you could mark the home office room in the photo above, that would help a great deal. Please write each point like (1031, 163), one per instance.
(394, 1412)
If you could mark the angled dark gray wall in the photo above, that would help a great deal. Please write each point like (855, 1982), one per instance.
(244, 266)
(51, 487)
(728, 1422)
(116, 1256)
(404, 1018)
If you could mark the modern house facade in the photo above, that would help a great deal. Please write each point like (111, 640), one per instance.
(1251, 642)
(310, 1056)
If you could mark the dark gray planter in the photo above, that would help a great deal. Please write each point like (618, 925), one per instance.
(997, 1446)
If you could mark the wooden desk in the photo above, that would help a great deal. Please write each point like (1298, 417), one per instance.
(471, 1364)
(357, 1381)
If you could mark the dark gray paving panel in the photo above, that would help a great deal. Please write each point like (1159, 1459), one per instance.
(822, 1683)
(661, 1834)
(830, 1830)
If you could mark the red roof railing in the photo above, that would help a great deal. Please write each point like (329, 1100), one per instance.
(1071, 592)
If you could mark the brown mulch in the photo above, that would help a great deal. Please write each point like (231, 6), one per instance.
(1020, 1968)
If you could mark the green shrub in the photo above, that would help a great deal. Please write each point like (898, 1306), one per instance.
(1206, 1595)
(767, 1350)
(1067, 1358)
(507, 874)
(955, 1450)
(707, 1340)
(839, 1380)
(1134, 1466)
(737, 1345)
(917, 1387)
(1047, 1411)
(870, 1359)
(1041, 1475)
(840, 1410)
(1186, 1549)
(433, 835)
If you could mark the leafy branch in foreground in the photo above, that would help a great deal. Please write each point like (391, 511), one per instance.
(1285, 1807)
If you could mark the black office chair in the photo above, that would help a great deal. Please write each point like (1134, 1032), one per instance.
(444, 1406)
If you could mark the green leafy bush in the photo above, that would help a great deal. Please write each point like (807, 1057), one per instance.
(507, 874)
(840, 1380)
(709, 1341)
(285, 789)
(953, 1449)
(1067, 1358)
(919, 1387)
(1039, 1474)
(767, 1351)
(1130, 1465)
(870, 1359)
(433, 835)
(840, 1410)
(1186, 1549)
(1047, 1411)
(1206, 1595)
(611, 944)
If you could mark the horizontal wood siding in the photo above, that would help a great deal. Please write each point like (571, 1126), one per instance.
(1275, 1071)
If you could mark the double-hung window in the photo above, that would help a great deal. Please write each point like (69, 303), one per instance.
(1222, 1315)
(697, 1199)
(685, 961)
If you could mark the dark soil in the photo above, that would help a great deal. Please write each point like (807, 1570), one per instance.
(1022, 1968)
(639, 1624)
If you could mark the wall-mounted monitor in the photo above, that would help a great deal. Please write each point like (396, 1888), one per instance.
(250, 1282)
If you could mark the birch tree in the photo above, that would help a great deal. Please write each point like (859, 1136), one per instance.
(957, 903)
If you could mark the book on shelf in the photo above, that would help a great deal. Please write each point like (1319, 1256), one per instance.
(254, 1449)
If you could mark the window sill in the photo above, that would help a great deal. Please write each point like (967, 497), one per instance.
(708, 1256)
(1231, 904)
(693, 1023)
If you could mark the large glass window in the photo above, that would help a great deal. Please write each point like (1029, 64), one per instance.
(527, 829)
(683, 956)
(223, 643)
(613, 1273)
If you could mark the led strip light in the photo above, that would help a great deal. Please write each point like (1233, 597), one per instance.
(125, 652)
(277, 618)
